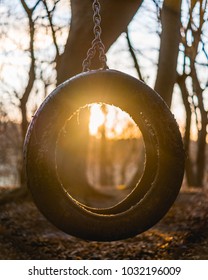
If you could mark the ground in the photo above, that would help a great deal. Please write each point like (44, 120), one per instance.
(181, 234)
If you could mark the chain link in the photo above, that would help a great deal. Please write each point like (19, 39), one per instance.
(97, 44)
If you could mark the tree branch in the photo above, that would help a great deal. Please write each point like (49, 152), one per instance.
(52, 28)
(131, 50)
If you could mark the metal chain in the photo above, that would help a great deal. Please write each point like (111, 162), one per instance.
(97, 44)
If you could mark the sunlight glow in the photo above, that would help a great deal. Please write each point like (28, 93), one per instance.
(97, 119)
(117, 123)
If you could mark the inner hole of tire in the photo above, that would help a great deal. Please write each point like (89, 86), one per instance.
(100, 155)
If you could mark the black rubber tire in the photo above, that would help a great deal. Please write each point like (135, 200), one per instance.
(137, 99)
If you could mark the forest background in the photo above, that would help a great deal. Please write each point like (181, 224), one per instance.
(164, 43)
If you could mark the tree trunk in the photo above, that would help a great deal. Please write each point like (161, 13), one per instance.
(189, 167)
(169, 47)
(116, 15)
(30, 83)
(202, 133)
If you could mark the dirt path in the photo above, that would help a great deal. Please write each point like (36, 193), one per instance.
(182, 234)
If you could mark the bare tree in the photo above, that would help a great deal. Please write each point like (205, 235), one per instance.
(37, 77)
(185, 34)
(31, 73)
(193, 40)
(169, 48)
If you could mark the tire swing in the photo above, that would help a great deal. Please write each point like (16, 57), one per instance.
(161, 180)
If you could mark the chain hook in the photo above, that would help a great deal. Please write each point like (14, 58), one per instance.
(97, 44)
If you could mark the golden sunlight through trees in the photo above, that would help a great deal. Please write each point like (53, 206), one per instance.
(102, 144)
(118, 124)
